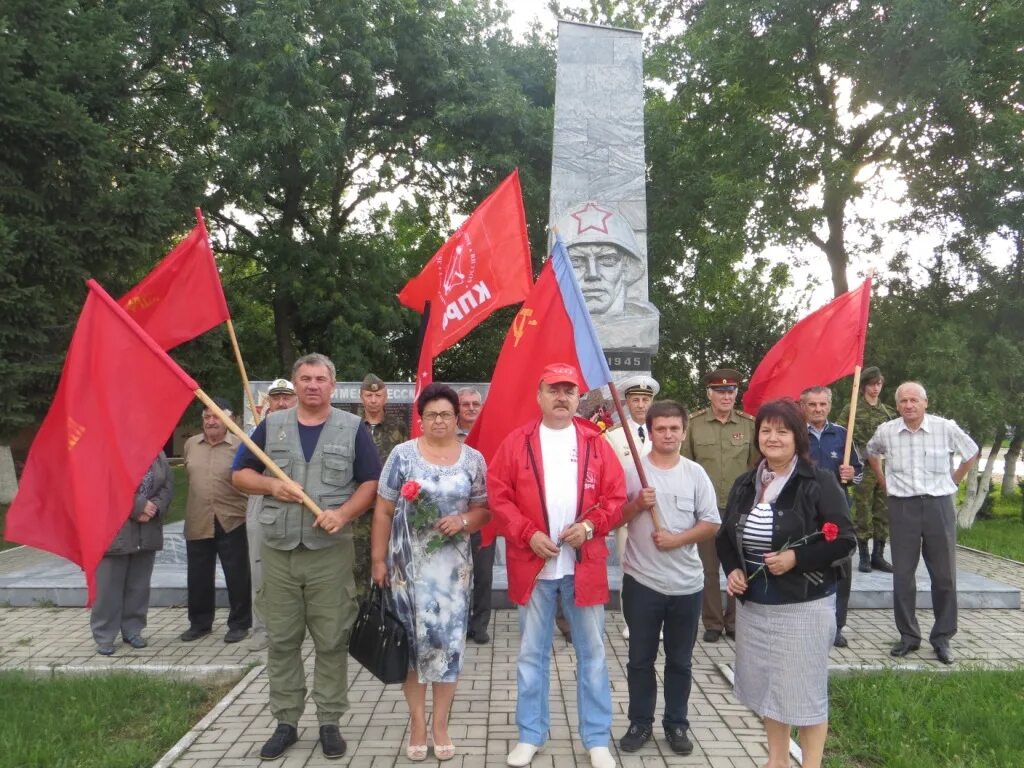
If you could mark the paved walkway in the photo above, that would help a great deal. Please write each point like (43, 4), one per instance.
(726, 734)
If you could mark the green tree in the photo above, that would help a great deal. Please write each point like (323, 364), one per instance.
(99, 148)
(794, 108)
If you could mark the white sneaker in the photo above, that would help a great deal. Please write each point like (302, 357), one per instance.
(522, 754)
(601, 757)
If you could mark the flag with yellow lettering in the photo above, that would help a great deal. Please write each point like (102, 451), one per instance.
(119, 398)
(182, 296)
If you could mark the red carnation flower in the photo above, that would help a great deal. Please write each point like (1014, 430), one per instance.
(830, 531)
(410, 490)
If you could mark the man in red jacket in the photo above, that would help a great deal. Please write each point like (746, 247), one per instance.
(556, 490)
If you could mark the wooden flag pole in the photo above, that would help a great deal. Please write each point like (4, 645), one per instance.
(257, 451)
(632, 448)
(241, 370)
(853, 415)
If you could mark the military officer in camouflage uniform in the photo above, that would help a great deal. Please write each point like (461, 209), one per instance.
(721, 440)
(307, 561)
(870, 508)
(387, 431)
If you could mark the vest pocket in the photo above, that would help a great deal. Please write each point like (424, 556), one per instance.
(337, 466)
(272, 518)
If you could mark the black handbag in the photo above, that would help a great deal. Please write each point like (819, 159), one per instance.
(378, 640)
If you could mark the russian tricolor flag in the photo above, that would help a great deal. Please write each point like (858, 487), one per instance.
(553, 326)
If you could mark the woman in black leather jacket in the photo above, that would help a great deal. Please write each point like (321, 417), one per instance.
(786, 527)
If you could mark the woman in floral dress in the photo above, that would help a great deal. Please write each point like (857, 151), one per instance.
(432, 495)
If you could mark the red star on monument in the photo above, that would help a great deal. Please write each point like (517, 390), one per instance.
(592, 216)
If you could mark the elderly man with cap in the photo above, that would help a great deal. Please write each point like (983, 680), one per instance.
(215, 528)
(556, 490)
(280, 397)
(721, 439)
(870, 511)
(920, 483)
(638, 392)
(386, 429)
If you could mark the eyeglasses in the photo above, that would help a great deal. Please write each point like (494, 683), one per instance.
(438, 416)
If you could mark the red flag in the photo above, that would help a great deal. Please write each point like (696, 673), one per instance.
(119, 398)
(823, 347)
(181, 297)
(484, 266)
(553, 326)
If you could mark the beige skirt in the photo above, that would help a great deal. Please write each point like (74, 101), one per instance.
(782, 659)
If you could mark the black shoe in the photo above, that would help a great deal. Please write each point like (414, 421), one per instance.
(105, 650)
(943, 654)
(481, 637)
(712, 635)
(283, 737)
(731, 634)
(864, 562)
(136, 641)
(840, 641)
(192, 633)
(635, 737)
(331, 742)
(236, 635)
(902, 648)
(676, 737)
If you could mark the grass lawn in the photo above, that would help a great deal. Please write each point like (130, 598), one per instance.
(926, 720)
(1003, 534)
(111, 721)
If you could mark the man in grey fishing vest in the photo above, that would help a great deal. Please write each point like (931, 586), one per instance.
(308, 561)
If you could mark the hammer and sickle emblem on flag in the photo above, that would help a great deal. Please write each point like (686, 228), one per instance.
(75, 432)
(519, 324)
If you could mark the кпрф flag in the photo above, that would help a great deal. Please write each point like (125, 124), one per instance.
(182, 296)
(119, 398)
(822, 348)
(553, 326)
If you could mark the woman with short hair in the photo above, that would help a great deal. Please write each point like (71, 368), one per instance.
(785, 530)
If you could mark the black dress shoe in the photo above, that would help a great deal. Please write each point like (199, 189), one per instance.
(840, 641)
(635, 737)
(192, 633)
(236, 635)
(331, 742)
(731, 634)
(481, 637)
(283, 737)
(902, 648)
(943, 654)
(712, 635)
(676, 737)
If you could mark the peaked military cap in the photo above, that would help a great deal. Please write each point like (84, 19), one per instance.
(639, 384)
(723, 377)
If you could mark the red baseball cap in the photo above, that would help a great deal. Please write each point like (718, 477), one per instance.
(561, 373)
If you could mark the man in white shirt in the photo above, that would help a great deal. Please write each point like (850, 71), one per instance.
(556, 491)
(663, 577)
(920, 483)
(639, 392)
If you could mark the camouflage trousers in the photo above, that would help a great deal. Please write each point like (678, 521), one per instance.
(870, 509)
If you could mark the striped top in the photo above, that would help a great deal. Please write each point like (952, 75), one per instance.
(757, 536)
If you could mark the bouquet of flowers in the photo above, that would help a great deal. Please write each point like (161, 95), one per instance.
(829, 532)
(425, 514)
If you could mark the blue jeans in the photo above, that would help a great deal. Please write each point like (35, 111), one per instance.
(593, 690)
(647, 612)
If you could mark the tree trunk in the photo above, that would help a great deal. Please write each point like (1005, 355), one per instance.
(8, 477)
(978, 484)
(283, 329)
(1010, 462)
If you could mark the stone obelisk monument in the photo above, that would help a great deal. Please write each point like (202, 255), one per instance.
(598, 194)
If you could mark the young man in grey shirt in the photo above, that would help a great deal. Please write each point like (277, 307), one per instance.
(663, 578)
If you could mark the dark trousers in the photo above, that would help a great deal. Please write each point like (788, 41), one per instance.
(923, 526)
(714, 616)
(843, 587)
(647, 612)
(233, 550)
(483, 581)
